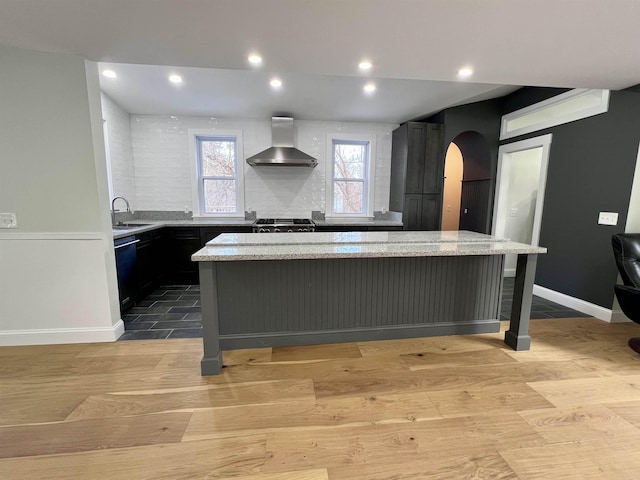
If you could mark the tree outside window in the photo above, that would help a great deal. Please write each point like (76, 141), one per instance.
(350, 160)
(217, 158)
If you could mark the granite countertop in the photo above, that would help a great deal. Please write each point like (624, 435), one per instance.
(288, 246)
(331, 238)
(140, 226)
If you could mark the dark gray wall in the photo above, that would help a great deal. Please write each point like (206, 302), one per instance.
(481, 117)
(528, 96)
(477, 154)
(475, 128)
(635, 88)
(591, 166)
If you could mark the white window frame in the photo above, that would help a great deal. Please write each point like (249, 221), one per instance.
(570, 115)
(197, 183)
(369, 180)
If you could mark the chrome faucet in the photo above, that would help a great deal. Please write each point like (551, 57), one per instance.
(113, 209)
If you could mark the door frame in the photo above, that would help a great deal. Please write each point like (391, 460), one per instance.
(543, 141)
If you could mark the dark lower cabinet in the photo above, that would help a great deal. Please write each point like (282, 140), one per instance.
(127, 268)
(149, 250)
(179, 243)
(178, 246)
(340, 228)
(209, 233)
(163, 256)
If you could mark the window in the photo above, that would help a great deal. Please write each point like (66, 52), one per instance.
(564, 108)
(218, 175)
(350, 182)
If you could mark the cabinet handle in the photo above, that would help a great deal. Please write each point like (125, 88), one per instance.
(127, 244)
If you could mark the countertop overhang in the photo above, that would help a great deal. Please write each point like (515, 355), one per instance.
(298, 246)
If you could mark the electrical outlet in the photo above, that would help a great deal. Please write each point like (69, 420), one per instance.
(608, 218)
(8, 220)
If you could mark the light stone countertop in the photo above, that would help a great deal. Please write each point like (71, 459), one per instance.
(308, 238)
(141, 226)
(291, 246)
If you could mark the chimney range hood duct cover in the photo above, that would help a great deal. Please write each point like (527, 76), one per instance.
(282, 153)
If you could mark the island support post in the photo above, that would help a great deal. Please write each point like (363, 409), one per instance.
(212, 361)
(517, 337)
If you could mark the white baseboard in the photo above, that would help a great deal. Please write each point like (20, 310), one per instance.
(61, 335)
(574, 303)
(618, 317)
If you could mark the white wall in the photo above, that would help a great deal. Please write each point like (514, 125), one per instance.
(163, 170)
(57, 270)
(118, 123)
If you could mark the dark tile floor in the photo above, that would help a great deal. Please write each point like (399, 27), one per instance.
(173, 311)
(540, 307)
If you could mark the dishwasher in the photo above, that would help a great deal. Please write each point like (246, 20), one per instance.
(126, 265)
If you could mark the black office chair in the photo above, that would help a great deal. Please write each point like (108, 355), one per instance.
(626, 249)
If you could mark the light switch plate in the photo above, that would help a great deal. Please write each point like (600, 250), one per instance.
(608, 218)
(514, 212)
(8, 220)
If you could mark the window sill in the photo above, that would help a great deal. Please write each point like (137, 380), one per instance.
(350, 218)
(218, 217)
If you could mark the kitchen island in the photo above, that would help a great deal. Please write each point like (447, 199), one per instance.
(277, 289)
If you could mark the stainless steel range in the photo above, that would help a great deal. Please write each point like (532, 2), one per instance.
(283, 225)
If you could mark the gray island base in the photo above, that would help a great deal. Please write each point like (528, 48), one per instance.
(281, 289)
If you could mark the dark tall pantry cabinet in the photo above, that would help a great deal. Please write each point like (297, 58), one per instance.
(417, 169)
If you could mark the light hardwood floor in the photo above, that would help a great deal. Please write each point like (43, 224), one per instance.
(428, 408)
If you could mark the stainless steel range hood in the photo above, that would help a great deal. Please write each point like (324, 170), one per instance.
(282, 153)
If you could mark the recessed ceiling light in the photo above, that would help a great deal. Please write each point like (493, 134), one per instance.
(365, 65)
(109, 74)
(255, 59)
(275, 83)
(465, 72)
(174, 78)
(370, 87)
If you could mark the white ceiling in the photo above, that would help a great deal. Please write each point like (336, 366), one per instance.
(144, 89)
(315, 45)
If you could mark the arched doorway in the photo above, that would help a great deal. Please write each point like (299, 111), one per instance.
(452, 189)
(476, 183)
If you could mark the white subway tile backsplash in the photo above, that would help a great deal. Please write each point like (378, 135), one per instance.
(162, 171)
(120, 149)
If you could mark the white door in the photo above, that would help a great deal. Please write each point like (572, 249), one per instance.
(521, 180)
